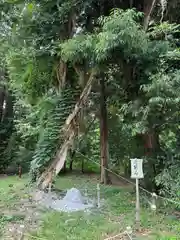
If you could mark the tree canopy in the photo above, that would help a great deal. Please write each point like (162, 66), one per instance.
(49, 52)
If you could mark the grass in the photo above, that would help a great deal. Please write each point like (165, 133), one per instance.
(116, 214)
(75, 226)
(10, 189)
(10, 194)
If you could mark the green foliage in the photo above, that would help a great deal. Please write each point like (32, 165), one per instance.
(123, 144)
(50, 138)
(28, 73)
(78, 49)
(142, 81)
(121, 33)
(113, 36)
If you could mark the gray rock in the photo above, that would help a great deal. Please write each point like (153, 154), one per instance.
(73, 195)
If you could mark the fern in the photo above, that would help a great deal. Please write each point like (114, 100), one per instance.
(50, 139)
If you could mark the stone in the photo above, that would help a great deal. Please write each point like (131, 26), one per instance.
(73, 195)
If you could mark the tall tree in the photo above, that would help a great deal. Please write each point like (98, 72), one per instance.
(53, 53)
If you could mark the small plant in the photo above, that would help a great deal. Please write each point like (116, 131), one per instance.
(11, 218)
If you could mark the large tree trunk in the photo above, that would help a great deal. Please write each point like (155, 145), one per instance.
(152, 150)
(69, 131)
(103, 133)
(7, 125)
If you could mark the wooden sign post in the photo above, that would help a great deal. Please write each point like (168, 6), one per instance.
(137, 173)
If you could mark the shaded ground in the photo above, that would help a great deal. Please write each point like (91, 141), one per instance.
(22, 215)
(18, 213)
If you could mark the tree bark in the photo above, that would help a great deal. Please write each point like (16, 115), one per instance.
(82, 165)
(2, 95)
(148, 9)
(152, 149)
(64, 168)
(103, 133)
(131, 2)
(72, 153)
(8, 112)
(7, 124)
(69, 131)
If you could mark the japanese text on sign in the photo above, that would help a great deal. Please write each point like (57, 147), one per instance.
(136, 168)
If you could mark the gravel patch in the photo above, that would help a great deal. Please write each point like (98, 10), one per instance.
(71, 202)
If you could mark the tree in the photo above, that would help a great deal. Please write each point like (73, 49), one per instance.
(55, 54)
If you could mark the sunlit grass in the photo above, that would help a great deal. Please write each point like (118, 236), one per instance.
(116, 213)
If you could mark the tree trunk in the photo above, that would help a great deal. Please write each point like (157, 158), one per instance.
(72, 153)
(64, 168)
(69, 130)
(131, 2)
(71, 165)
(8, 113)
(7, 117)
(7, 124)
(82, 165)
(103, 133)
(148, 9)
(2, 95)
(152, 149)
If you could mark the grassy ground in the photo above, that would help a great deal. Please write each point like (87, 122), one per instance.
(117, 212)
(10, 195)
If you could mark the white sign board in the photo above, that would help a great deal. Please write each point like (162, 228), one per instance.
(136, 168)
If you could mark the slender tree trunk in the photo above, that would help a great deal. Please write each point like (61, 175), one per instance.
(2, 95)
(103, 133)
(72, 153)
(131, 2)
(64, 168)
(82, 165)
(71, 165)
(148, 9)
(8, 113)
